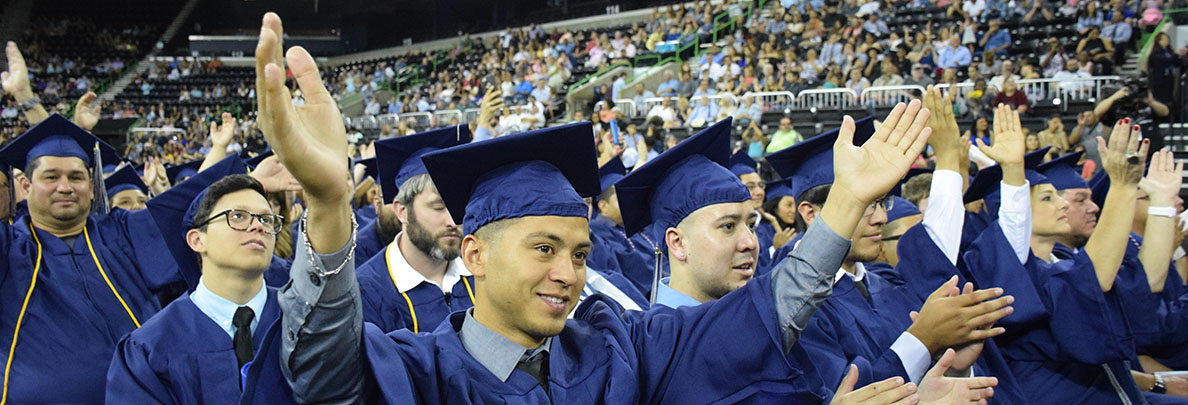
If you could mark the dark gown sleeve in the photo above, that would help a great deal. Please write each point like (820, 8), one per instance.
(130, 378)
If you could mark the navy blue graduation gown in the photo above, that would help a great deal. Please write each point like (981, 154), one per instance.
(1063, 330)
(848, 329)
(634, 257)
(384, 306)
(604, 355)
(923, 268)
(765, 232)
(368, 243)
(181, 356)
(365, 214)
(618, 281)
(608, 242)
(73, 319)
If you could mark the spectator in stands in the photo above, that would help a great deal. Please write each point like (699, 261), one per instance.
(1100, 51)
(394, 106)
(813, 66)
(784, 137)
(372, 108)
(543, 94)
(618, 85)
(978, 101)
(687, 85)
(1084, 136)
(919, 76)
(703, 113)
(1010, 94)
(1072, 79)
(856, 82)
(1008, 71)
(1089, 18)
(875, 26)
(996, 39)
(703, 89)
(1053, 61)
(663, 114)
(748, 111)
(954, 55)
(669, 86)
(1161, 68)
(422, 103)
(1054, 136)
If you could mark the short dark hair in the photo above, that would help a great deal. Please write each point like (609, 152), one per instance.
(224, 186)
(815, 196)
(32, 165)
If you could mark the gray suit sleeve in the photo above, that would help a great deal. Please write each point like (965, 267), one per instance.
(805, 279)
(321, 350)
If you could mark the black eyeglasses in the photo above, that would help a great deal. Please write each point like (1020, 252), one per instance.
(241, 220)
(886, 202)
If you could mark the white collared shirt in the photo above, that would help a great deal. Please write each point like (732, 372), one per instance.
(911, 351)
(408, 278)
(221, 310)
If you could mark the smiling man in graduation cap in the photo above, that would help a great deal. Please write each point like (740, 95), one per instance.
(59, 252)
(520, 200)
(417, 279)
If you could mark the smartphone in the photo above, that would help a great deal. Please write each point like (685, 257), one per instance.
(614, 128)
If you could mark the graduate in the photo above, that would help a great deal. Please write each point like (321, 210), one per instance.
(126, 189)
(417, 280)
(519, 198)
(745, 168)
(902, 216)
(73, 279)
(382, 230)
(1065, 342)
(874, 331)
(180, 172)
(191, 352)
(632, 256)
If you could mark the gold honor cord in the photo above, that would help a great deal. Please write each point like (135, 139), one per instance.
(25, 305)
(412, 311)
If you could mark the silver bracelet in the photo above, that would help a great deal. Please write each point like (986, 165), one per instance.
(313, 262)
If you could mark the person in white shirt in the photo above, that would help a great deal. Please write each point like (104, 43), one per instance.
(663, 111)
(1072, 79)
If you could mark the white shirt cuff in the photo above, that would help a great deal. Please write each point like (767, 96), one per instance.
(1014, 216)
(914, 356)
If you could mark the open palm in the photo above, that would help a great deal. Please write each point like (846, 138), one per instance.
(86, 111)
(16, 79)
(225, 133)
(870, 171)
(936, 388)
(310, 140)
(1164, 176)
(1007, 144)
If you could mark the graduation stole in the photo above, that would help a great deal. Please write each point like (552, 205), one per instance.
(29, 294)
(416, 328)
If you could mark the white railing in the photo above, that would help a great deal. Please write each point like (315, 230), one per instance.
(419, 119)
(882, 95)
(442, 118)
(772, 100)
(471, 114)
(826, 98)
(627, 106)
(654, 101)
(1077, 89)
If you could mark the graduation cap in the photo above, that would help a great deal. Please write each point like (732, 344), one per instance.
(1063, 172)
(986, 183)
(778, 189)
(913, 172)
(179, 173)
(399, 159)
(173, 213)
(255, 161)
(611, 172)
(545, 172)
(123, 179)
(370, 167)
(1033, 159)
(901, 208)
(809, 163)
(1099, 185)
(57, 136)
(741, 163)
(683, 179)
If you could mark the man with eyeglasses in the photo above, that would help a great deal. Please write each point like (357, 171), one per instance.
(192, 351)
(867, 321)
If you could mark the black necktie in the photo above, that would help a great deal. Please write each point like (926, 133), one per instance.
(243, 334)
(537, 365)
(861, 286)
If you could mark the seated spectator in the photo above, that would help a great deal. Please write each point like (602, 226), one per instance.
(890, 76)
(979, 99)
(748, 111)
(641, 95)
(687, 85)
(996, 39)
(989, 65)
(372, 108)
(663, 112)
(875, 26)
(784, 137)
(1008, 70)
(1100, 51)
(703, 89)
(618, 85)
(856, 82)
(1072, 79)
(726, 109)
(543, 93)
(523, 89)
(1054, 136)
(704, 113)
(669, 86)
(1090, 18)
(954, 55)
(1010, 94)
(920, 76)
(1053, 61)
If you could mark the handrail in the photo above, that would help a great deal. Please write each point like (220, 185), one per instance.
(837, 95)
(598, 74)
(890, 93)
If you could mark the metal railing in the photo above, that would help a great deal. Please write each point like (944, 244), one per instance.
(884, 95)
(627, 106)
(826, 98)
(654, 101)
(442, 118)
(771, 100)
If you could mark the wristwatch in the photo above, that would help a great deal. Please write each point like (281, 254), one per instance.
(30, 103)
(1159, 387)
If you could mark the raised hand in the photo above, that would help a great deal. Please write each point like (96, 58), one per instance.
(16, 79)
(889, 391)
(945, 133)
(936, 388)
(1125, 144)
(86, 111)
(864, 174)
(309, 139)
(1162, 183)
(222, 135)
(950, 319)
(1007, 144)
(274, 177)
